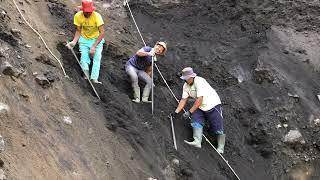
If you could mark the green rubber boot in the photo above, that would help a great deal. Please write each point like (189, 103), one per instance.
(145, 95)
(221, 139)
(197, 136)
(136, 94)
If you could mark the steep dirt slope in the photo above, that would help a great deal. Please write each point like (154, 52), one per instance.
(38, 144)
(271, 49)
(262, 57)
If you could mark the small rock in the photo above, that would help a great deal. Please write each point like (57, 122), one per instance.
(240, 79)
(42, 81)
(9, 70)
(51, 76)
(262, 73)
(75, 173)
(106, 5)
(278, 126)
(293, 136)
(301, 51)
(45, 59)
(108, 164)
(46, 98)
(268, 99)
(35, 73)
(90, 131)
(16, 32)
(19, 57)
(318, 97)
(62, 33)
(285, 51)
(316, 122)
(206, 63)
(3, 12)
(27, 46)
(285, 125)
(306, 61)
(28, 2)
(67, 120)
(151, 178)
(1, 144)
(187, 172)
(2, 176)
(24, 96)
(4, 108)
(176, 162)
(293, 95)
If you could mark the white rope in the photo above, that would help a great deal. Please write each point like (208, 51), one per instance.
(45, 44)
(221, 156)
(135, 23)
(165, 81)
(175, 96)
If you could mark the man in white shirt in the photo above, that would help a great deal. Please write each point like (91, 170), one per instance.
(206, 107)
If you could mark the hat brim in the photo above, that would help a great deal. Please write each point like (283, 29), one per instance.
(91, 9)
(188, 76)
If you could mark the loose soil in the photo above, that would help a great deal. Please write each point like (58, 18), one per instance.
(261, 57)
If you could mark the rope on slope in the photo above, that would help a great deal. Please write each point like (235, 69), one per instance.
(45, 44)
(174, 94)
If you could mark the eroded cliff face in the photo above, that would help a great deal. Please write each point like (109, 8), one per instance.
(261, 57)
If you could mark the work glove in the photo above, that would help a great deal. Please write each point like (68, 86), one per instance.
(71, 45)
(173, 115)
(187, 115)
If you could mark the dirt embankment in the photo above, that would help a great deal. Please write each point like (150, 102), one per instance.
(261, 57)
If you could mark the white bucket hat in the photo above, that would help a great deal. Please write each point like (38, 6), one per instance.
(187, 73)
(164, 45)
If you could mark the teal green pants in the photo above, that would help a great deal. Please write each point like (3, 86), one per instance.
(84, 46)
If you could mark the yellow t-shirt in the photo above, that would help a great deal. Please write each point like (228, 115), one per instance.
(89, 26)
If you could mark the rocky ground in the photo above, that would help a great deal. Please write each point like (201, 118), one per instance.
(261, 57)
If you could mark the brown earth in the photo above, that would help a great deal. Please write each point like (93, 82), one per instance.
(261, 57)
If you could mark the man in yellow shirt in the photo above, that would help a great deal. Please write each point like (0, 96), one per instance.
(90, 35)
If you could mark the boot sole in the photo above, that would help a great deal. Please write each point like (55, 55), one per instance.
(187, 142)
